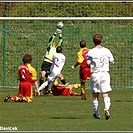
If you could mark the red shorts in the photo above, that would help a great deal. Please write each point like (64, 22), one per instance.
(25, 89)
(61, 91)
(85, 73)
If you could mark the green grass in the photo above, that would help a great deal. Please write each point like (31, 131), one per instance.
(58, 113)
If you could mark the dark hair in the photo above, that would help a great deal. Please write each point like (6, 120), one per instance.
(27, 58)
(82, 43)
(97, 39)
(59, 49)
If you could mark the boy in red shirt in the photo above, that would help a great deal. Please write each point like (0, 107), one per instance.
(27, 76)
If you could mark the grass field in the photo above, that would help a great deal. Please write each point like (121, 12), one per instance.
(67, 113)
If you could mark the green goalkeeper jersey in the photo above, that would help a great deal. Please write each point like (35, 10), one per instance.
(50, 51)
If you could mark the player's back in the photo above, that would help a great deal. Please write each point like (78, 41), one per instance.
(24, 73)
(101, 58)
(60, 61)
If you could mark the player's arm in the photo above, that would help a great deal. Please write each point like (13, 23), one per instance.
(89, 59)
(55, 61)
(51, 40)
(75, 65)
(79, 60)
(112, 62)
(59, 31)
(60, 41)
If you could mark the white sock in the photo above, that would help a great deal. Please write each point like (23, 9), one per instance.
(95, 105)
(107, 103)
(43, 86)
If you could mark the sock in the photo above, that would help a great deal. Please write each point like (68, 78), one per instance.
(14, 98)
(107, 103)
(63, 81)
(43, 86)
(76, 86)
(72, 93)
(95, 105)
(41, 82)
(51, 84)
(82, 87)
(27, 99)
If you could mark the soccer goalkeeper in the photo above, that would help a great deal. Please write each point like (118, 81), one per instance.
(50, 51)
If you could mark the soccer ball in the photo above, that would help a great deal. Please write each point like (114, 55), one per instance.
(60, 25)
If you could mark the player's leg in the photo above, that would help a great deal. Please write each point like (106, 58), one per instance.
(106, 88)
(45, 68)
(27, 93)
(84, 74)
(95, 88)
(41, 80)
(43, 86)
(74, 86)
(62, 79)
(50, 86)
(83, 92)
(95, 105)
(107, 104)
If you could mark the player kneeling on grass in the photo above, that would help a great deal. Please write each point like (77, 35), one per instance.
(62, 90)
(28, 77)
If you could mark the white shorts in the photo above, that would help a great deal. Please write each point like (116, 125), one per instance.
(52, 76)
(100, 82)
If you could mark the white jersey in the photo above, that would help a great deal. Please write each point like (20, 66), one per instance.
(54, 70)
(101, 57)
(60, 61)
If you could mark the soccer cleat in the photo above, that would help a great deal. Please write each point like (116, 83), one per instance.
(36, 93)
(96, 116)
(50, 91)
(107, 114)
(20, 99)
(83, 96)
(8, 98)
(44, 91)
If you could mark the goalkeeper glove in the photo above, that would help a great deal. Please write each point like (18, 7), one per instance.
(58, 31)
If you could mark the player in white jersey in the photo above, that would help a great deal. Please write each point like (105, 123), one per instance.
(99, 58)
(58, 60)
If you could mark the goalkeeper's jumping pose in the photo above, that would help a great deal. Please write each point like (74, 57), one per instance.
(58, 60)
(50, 51)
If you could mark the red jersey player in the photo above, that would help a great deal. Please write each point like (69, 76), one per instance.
(63, 90)
(27, 76)
(84, 72)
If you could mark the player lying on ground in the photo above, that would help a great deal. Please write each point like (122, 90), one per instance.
(60, 89)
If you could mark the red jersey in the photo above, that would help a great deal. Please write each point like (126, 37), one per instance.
(27, 73)
(82, 59)
(60, 90)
